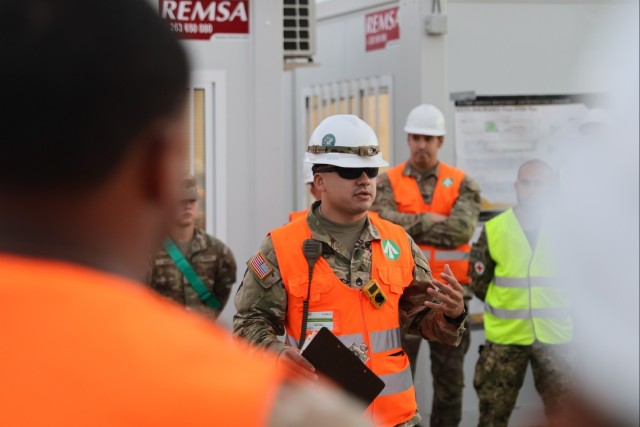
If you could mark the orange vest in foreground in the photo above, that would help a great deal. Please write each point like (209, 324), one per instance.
(350, 315)
(84, 348)
(409, 200)
(303, 214)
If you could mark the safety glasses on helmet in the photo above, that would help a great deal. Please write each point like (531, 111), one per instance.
(350, 173)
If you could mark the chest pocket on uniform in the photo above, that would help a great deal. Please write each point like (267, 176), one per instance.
(397, 277)
(322, 283)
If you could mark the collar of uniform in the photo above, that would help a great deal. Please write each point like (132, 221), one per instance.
(409, 170)
(199, 242)
(369, 233)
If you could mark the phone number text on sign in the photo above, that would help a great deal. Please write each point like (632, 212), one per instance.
(204, 19)
(191, 28)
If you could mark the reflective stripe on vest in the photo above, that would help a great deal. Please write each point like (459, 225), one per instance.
(547, 313)
(381, 341)
(524, 302)
(396, 383)
(408, 198)
(355, 319)
(523, 282)
(443, 255)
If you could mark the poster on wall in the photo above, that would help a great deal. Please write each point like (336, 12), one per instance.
(206, 19)
(494, 137)
(382, 29)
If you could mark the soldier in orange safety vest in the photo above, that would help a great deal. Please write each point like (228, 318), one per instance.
(438, 205)
(355, 252)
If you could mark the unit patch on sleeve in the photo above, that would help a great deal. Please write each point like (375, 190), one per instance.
(479, 267)
(260, 266)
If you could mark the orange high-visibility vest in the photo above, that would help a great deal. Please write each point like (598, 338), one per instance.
(303, 214)
(350, 315)
(409, 200)
(84, 348)
(298, 214)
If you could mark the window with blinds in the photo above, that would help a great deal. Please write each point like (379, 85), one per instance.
(195, 162)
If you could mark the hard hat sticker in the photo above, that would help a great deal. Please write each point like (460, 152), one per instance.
(447, 182)
(390, 249)
(328, 140)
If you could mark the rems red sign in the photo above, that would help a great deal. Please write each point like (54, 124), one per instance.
(381, 29)
(204, 19)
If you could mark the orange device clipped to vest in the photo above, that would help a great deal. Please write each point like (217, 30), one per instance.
(374, 293)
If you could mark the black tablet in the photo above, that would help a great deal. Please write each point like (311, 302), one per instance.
(334, 360)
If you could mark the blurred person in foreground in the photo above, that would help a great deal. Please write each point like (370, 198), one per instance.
(193, 268)
(91, 136)
(527, 310)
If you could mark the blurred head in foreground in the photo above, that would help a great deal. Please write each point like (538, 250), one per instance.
(91, 129)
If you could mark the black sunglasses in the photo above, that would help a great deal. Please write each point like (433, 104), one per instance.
(350, 173)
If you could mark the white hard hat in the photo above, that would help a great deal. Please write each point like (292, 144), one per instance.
(595, 116)
(425, 119)
(308, 173)
(346, 141)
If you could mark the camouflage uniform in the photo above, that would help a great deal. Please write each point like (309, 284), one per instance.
(447, 362)
(501, 369)
(211, 259)
(262, 304)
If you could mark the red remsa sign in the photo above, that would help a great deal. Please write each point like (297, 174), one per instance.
(381, 29)
(204, 19)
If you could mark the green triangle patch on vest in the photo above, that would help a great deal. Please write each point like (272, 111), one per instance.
(390, 249)
(447, 182)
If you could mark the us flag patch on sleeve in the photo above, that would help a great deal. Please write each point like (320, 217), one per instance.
(260, 266)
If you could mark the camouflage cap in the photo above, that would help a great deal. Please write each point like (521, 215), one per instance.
(189, 188)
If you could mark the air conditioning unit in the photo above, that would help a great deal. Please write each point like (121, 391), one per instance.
(299, 29)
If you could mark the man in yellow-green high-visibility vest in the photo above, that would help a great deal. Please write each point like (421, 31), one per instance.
(527, 312)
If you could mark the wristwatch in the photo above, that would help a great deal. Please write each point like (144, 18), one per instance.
(458, 320)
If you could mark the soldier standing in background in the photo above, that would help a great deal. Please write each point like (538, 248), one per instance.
(438, 205)
(526, 315)
(194, 269)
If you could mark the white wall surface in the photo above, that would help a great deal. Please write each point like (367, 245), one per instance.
(518, 47)
(256, 168)
(529, 48)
